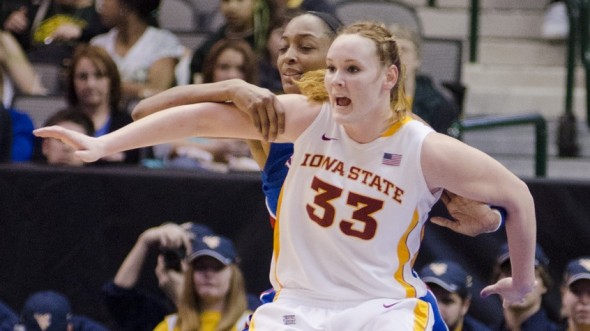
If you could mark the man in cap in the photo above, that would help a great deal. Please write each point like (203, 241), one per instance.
(575, 295)
(135, 309)
(451, 286)
(528, 315)
(52, 311)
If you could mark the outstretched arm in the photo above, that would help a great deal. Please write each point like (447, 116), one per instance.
(265, 112)
(202, 120)
(448, 163)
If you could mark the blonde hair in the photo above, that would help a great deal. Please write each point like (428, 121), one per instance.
(190, 307)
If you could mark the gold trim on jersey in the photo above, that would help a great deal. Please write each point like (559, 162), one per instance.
(421, 312)
(396, 126)
(404, 256)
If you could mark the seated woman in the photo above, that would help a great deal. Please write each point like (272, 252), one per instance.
(94, 88)
(227, 59)
(146, 56)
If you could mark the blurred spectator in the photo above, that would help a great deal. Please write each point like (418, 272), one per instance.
(48, 30)
(556, 23)
(227, 59)
(19, 76)
(427, 101)
(451, 286)
(54, 151)
(8, 318)
(145, 55)
(269, 75)
(245, 19)
(575, 295)
(528, 315)
(5, 135)
(52, 311)
(94, 88)
(20, 126)
(325, 6)
(22, 136)
(138, 310)
(213, 296)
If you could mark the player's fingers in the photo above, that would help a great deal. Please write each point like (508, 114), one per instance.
(280, 112)
(269, 106)
(488, 290)
(263, 119)
(444, 222)
(445, 197)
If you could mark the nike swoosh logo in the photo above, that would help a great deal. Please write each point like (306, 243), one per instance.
(389, 306)
(327, 138)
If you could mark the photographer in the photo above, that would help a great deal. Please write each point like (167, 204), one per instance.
(134, 309)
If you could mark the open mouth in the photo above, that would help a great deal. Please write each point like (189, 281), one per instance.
(342, 101)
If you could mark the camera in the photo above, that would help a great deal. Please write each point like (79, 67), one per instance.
(173, 257)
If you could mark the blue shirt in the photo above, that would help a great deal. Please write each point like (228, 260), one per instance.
(22, 136)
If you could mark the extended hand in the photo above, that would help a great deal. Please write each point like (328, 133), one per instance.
(470, 217)
(509, 292)
(88, 149)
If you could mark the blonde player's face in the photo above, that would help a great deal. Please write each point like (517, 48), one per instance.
(91, 84)
(211, 279)
(58, 153)
(356, 80)
(229, 64)
(302, 48)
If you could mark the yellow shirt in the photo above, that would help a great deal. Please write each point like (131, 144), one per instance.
(209, 322)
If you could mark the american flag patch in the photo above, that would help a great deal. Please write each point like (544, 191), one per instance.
(391, 159)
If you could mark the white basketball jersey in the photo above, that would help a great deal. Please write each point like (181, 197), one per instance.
(350, 216)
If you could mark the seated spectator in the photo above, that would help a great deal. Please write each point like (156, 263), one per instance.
(529, 314)
(145, 55)
(54, 151)
(135, 309)
(8, 318)
(227, 59)
(427, 101)
(18, 74)
(248, 20)
(269, 75)
(48, 30)
(94, 88)
(5, 135)
(52, 311)
(20, 127)
(22, 136)
(575, 295)
(214, 294)
(325, 6)
(451, 286)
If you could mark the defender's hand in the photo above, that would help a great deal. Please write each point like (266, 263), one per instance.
(471, 217)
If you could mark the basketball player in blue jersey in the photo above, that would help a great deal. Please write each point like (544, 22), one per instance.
(358, 200)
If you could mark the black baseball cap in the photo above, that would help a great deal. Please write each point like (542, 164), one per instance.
(577, 269)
